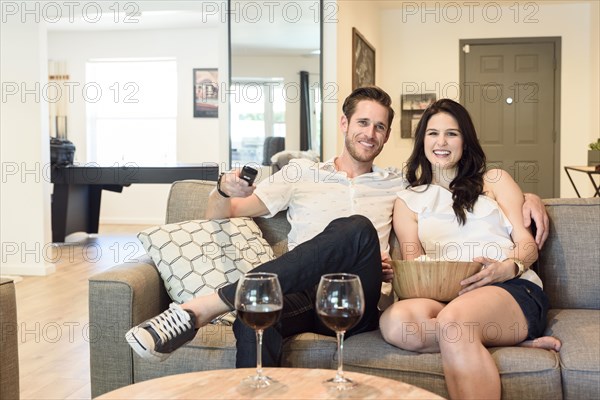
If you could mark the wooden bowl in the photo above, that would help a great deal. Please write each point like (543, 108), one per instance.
(437, 280)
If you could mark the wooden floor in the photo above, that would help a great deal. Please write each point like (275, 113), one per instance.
(53, 314)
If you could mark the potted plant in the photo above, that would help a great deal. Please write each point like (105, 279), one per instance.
(594, 153)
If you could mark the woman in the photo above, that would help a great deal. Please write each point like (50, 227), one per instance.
(452, 198)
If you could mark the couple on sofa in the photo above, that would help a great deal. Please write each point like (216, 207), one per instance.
(341, 214)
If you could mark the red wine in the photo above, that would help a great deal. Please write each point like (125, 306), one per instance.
(260, 316)
(340, 319)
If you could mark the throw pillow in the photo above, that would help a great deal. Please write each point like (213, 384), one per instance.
(195, 258)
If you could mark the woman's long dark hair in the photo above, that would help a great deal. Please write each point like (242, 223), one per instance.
(468, 183)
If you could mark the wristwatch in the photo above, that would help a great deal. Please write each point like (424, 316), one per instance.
(520, 267)
(222, 193)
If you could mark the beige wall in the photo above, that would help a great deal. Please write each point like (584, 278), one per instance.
(410, 51)
(426, 54)
(330, 78)
(364, 16)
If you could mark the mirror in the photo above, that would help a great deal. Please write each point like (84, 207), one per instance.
(275, 78)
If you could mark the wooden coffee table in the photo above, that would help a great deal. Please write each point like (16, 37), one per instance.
(290, 383)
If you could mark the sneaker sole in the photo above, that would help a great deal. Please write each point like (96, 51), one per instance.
(136, 337)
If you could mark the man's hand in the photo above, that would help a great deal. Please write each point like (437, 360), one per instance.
(386, 266)
(234, 186)
(236, 200)
(533, 209)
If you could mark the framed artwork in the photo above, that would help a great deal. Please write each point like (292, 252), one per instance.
(363, 61)
(206, 93)
(418, 101)
(411, 109)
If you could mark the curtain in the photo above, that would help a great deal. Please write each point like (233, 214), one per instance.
(57, 98)
(305, 136)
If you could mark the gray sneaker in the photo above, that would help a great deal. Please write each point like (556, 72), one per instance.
(156, 338)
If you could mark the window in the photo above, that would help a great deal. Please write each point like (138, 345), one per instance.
(132, 111)
(257, 111)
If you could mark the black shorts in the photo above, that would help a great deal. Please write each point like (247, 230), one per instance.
(533, 302)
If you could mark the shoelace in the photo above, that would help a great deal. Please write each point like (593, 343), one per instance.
(170, 323)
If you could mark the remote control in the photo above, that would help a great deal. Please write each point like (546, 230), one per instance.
(248, 174)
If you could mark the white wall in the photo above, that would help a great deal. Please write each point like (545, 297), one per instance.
(427, 54)
(198, 139)
(25, 151)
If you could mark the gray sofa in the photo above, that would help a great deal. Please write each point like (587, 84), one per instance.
(130, 293)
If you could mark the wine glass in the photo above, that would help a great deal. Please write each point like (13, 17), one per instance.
(259, 301)
(340, 305)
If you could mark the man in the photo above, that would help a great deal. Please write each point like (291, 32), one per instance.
(319, 198)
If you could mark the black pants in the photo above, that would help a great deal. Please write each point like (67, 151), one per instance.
(348, 245)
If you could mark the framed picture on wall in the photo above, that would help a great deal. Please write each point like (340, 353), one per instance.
(363, 61)
(411, 109)
(206, 93)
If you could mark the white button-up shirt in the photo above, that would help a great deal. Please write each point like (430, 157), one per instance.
(316, 193)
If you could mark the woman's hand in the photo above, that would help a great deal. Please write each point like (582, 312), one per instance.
(386, 266)
(492, 271)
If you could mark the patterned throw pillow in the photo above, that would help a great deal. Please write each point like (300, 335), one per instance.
(195, 258)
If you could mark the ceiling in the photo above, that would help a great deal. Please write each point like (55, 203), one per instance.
(259, 28)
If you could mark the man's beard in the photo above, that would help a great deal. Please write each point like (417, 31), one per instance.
(356, 154)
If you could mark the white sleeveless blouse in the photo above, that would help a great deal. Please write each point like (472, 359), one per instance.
(486, 232)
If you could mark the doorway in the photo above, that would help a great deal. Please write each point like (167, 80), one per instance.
(511, 88)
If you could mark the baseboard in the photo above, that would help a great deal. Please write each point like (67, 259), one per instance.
(40, 269)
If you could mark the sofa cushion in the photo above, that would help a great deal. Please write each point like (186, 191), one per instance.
(309, 350)
(275, 231)
(214, 348)
(568, 262)
(520, 368)
(580, 351)
(195, 258)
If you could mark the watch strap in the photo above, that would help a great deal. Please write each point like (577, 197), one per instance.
(222, 193)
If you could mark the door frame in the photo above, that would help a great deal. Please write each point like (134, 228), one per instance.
(557, 42)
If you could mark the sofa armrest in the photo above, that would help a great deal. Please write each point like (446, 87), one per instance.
(9, 343)
(120, 298)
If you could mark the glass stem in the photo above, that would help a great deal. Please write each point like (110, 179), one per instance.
(340, 369)
(259, 337)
